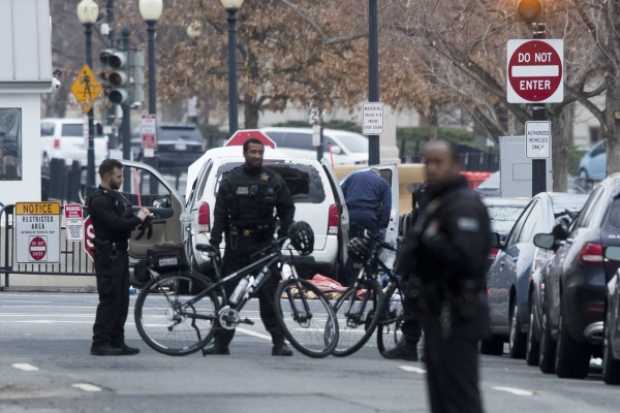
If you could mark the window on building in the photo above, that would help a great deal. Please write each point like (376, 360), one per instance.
(595, 134)
(10, 144)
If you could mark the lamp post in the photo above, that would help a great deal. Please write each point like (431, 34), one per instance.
(151, 10)
(373, 73)
(88, 11)
(530, 11)
(232, 7)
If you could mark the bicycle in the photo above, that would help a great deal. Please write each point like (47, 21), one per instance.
(176, 323)
(366, 306)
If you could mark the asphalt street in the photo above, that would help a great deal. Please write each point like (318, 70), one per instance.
(45, 367)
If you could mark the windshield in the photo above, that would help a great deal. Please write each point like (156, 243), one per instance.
(572, 203)
(303, 181)
(76, 130)
(353, 142)
(173, 133)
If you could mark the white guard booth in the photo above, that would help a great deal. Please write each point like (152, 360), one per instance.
(25, 74)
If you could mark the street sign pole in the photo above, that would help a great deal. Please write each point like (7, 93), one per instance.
(90, 157)
(373, 73)
(539, 113)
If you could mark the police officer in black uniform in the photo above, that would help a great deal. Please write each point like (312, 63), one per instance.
(448, 258)
(113, 222)
(244, 211)
(407, 347)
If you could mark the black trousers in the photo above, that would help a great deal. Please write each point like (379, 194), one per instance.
(452, 367)
(112, 268)
(234, 260)
(411, 328)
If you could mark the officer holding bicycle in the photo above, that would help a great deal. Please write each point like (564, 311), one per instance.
(244, 212)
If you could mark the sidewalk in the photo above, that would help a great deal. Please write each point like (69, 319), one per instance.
(50, 283)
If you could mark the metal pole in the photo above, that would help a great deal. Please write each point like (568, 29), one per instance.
(233, 116)
(126, 121)
(90, 159)
(150, 27)
(110, 20)
(373, 73)
(539, 112)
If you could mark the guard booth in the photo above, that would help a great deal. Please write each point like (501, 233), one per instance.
(25, 74)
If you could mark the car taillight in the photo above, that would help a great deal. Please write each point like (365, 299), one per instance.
(56, 143)
(493, 253)
(204, 217)
(591, 253)
(333, 220)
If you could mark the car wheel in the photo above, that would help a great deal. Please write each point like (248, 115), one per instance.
(492, 346)
(517, 340)
(611, 366)
(572, 358)
(532, 350)
(546, 359)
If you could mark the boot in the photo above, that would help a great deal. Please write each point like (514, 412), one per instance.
(403, 351)
(221, 342)
(105, 349)
(281, 349)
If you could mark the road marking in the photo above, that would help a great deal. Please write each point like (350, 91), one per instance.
(86, 387)
(514, 390)
(25, 367)
(412, 369)
(254, 334)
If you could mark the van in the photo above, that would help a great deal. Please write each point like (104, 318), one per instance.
(341, 147)
(66, 139)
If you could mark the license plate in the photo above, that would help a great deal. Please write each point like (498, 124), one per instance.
(168, 262)
(180, 146)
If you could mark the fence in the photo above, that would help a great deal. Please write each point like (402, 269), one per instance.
(73, 259)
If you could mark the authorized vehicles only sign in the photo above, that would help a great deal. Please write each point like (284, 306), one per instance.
(37, 232)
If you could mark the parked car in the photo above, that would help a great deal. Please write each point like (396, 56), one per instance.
(508, 276)
(318, 200)
(611, 350)
(575, 284)
(66, 139)
(503, 213)
(593, 165)
(177, 146)
(491, 186)
(343, 146)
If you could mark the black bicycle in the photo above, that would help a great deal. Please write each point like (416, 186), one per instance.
(366, 306)
(176, 313)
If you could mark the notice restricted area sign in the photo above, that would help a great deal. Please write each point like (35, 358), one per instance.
(37, 232)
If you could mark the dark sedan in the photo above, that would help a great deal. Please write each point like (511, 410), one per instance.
(178, 146)
(575, 285)
(508, 277)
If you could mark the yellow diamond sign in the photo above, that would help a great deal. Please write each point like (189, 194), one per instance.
(86, 88)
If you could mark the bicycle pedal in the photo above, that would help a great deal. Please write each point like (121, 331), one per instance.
(247, 321)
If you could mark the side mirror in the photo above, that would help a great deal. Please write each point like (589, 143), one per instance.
(496, 240)
(544, 241)
(612, 253)
(336, 150)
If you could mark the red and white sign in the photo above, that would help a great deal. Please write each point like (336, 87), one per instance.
(89, 238)
(535, 71)
(38, 248)
(148, 130)
(73, 215)
(239, 138)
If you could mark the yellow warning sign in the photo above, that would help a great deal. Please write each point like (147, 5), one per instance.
(37, 208)
(86, 88)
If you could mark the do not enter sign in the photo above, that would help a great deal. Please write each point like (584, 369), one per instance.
(38, 248)
(535, 71)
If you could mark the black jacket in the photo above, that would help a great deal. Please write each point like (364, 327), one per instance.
(246, 199)
(449, 245)
(112, 216)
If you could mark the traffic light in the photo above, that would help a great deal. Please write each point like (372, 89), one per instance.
(115, 77)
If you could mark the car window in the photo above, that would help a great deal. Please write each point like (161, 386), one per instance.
(518, 227)
(168, 133)
(354, 143)
(144, 188)
(201, 183)
(279, 138)
(613, 215)
(599, 149)
(532, 224)
(47, 129)
(77, 130)
(299, 141)
(304, 181)
(586, 213)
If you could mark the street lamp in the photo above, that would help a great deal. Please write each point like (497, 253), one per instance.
(232, 6)
(88, 11)
(151, 10)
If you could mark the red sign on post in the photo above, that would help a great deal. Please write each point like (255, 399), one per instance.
(535, 71)
(38, 248)
(148, 129)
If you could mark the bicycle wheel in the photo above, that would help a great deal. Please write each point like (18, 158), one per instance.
(389, 331)
(306, 317)
(165, 320)
(357, 312)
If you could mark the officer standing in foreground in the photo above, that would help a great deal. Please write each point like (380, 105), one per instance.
(244, 211)
(407, 347)
(448, 249)
(113, 222)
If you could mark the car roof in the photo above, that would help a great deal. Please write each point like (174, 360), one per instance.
(498, 201)
(331, 132)
(236, 152)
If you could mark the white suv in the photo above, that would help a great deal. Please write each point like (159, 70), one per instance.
(341, 147)
(317, 196)
(65, 139)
